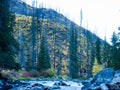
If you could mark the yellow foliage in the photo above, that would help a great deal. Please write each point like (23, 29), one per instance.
(64, 67)
(64, 52)
(96, 67)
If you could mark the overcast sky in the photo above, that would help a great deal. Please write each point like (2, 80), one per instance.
(99, 16)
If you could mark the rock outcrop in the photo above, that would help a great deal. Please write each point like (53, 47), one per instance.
(106, 79)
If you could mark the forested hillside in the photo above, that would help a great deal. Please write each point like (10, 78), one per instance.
(45, 41)
(41, 49)
(46, 29)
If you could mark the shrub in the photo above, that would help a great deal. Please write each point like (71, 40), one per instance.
(13, 74)
(26, 74)
(30, 74)
(64, 77)
(35, 73)
(96, 67)
(49, 72)
(5, 75)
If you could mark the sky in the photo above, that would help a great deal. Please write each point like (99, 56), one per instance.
(100, 16)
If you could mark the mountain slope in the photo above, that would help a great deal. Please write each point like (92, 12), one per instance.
(57, 28)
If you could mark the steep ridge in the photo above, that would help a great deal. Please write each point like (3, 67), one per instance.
(57, 29)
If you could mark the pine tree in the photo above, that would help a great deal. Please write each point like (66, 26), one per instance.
(37, 35)
(54, 44)
(80, 37)
(115, 51)
(73, 62)
(8, 45)
(105, 54)
(43, 58)
(98, 51)
(114, 39)
(22, 50)
(33, 39)
(59, 65)
(87, 68)
(90, 51)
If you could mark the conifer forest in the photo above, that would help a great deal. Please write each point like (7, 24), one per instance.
(42, 44)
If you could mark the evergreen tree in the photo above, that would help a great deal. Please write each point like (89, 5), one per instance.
(115, 51)
(98, 51)
(73, 63)
(80, 37)
(90, 51)
(43, 58)
(114, 39)
(59, 65)
(105, 54)
(8, 45)
(22, 49)
(33, 39)
(88, 46)
(37, 35)
(54, 44)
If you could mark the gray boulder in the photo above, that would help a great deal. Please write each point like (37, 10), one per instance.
(60, 83)
(86, 85)
(116, 78)
(104, 86)
(105, 75)
(115, 86)
(99, 81)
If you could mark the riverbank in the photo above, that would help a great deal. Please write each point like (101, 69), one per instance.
(106, 79)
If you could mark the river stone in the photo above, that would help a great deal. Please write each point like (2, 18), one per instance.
(104, 86)
(105, 75)
(116, 78)
(86, 86)
(60, 83)
(115, 86)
